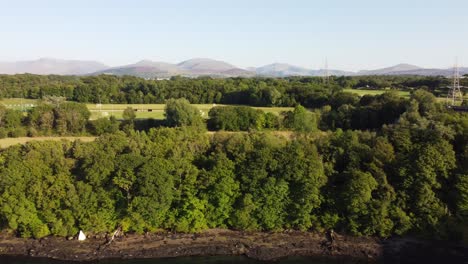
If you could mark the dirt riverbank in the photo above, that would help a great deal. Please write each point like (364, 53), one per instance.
(261, 246)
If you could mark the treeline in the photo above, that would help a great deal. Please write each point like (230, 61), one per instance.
(64, 119)
(243, 118)
(349, 111)
(343, 111)
(408, 178)
(68, 119)
(311, 92)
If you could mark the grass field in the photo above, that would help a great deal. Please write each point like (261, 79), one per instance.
(156, 111)
(18, 103)
(360, 92)
(143, 110)
(404, 94)
(7, 142)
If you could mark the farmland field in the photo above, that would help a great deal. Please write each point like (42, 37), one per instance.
(362, 92)
(18, 103)
(156, 111)
(143, 111)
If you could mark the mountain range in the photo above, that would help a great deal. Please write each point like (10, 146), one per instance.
(199, 67)
(51, 66)
(191, 68)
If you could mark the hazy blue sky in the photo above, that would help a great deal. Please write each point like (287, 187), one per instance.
(353, 34)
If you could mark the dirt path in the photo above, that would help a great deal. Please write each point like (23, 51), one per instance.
(7, 142)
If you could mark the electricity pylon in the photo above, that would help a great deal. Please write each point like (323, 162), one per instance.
(327, 73)
(454, 95)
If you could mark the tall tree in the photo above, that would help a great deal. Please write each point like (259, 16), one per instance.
(179, 112)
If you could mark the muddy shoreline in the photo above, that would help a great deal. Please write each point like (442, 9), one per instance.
(260, 246)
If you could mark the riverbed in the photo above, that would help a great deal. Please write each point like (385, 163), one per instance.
(228, 246)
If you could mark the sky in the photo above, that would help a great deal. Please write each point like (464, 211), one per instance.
(350, 35)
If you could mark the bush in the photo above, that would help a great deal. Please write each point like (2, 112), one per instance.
(300, 120)
(3, 132)
(271, 121)
(103, 125)
(18, 132)
(32, 132)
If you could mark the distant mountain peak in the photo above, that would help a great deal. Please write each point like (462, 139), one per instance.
(280, 65)
(198, 60)
(150, 63)
(402, 67)
(405, 67)
(282, 69)
(202, 65)
(192, 67)
(143, 62)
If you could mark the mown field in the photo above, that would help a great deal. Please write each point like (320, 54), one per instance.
(404, 94)
(362, 92)
(155, 111)
(18, 103)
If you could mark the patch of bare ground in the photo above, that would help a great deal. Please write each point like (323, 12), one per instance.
(7, 142)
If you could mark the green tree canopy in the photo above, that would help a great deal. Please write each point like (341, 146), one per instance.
(179, 112)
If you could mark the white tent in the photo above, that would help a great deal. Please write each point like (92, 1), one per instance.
(81, 236)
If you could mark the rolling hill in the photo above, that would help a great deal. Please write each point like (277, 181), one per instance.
(284, 70)
(391, 70)
(191, 68)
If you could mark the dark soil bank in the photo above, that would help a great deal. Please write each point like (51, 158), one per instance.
(260, 246)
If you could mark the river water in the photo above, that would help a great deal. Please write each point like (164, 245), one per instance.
(184, 260)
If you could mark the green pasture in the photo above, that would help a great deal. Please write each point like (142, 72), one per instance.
(156, 111)
(18, 103)
(362, 92)
(404, 94)
(143, 111)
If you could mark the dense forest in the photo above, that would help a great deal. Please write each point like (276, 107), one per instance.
(372, 165)
(310, 92)
(404, 181)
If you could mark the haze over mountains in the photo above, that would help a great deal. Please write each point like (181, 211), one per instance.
(192, 68)
(284, 69)
(52, 66)
(198, 67)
